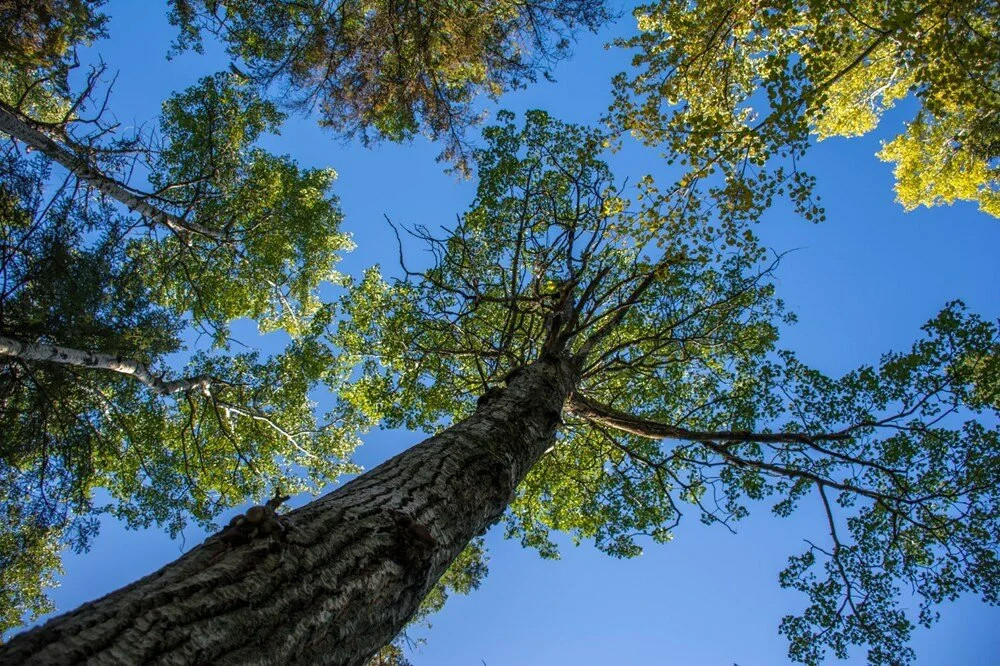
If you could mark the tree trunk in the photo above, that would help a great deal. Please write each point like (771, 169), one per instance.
(27, 351)
(351, 570)
(15, 125)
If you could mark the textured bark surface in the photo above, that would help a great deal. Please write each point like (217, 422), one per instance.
(13, 124)
(354, 567)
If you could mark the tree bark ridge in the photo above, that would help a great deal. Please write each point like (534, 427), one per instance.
(351, 570)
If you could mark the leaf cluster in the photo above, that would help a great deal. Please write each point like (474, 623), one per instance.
(389, 70)
(740, 89)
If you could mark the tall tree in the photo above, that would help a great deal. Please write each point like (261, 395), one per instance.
(619, 379)
(96, 298)
(741, 88)
(389, 69)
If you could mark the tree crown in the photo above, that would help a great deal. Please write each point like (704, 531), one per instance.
(683, 398)
(740, 89)
(388, 70)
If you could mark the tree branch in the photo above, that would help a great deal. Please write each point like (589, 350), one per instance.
(23, 129)
(101, 361)
(596, 412)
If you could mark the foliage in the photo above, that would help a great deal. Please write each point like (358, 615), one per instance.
(740, 87)
(547, 217)
(683, 399)
(29, 558)
(279, 225)
(923, 497)
(234, 231)
(37, 51)
(253, 236)
(39, 34)
(387, 70)
(74, 275)
(660, 297)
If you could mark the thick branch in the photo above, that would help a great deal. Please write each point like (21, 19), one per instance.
(618, 314)
(717, 442)
(88, 359)
(596, 412)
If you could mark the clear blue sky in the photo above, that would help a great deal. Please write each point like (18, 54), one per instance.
(862, 283)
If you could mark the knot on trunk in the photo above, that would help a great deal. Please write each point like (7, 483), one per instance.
(513, 374)
(413, 543)
(258, 522)
(491, 394)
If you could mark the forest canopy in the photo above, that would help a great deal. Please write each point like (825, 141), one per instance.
(745, 88)
(130, 255)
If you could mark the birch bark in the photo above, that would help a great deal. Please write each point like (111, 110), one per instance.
(13, 124)
(87, 359)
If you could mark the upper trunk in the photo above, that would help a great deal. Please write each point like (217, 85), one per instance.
(352, 570)
(21, 128)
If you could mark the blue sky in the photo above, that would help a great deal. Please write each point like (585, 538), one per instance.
(861, 283)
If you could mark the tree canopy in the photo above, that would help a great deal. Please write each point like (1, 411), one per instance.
(42, 34)
(390, 69)
(127, 256)
(743, 88)
(683, 398)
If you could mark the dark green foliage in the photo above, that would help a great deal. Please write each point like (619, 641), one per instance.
(390, 69)
(40, 33)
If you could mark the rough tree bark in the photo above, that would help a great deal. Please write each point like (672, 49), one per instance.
(14, 124)
(352, 568)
